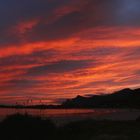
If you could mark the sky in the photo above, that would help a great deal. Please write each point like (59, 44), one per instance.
(51, 50)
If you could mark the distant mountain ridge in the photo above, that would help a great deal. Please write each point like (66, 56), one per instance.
(126, 98)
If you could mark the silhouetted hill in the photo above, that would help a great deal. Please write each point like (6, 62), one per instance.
(126, 98)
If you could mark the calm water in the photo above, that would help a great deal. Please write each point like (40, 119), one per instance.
(62, 116)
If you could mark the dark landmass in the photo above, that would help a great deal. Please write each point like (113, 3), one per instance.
(25, 127)
(126, 98)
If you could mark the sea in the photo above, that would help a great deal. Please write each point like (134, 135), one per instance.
(64, 116)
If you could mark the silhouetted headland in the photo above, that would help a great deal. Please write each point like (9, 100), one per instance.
(126, 98)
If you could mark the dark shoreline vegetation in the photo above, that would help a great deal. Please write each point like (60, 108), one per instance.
(126, 98)
(26, 127)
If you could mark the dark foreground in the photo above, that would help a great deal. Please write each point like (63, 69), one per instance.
(24, 127)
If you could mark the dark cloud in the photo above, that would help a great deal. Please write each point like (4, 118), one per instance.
(59, 67)
(21, 83)
(91, 14)
(17, 11)
(36, 57)
(98, 52)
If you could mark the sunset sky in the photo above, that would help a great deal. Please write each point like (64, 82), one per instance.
(51, 50)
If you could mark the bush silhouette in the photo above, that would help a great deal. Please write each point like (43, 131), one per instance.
(26, 127)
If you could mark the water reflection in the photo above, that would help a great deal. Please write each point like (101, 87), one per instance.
(63, 116)
(56, 112)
